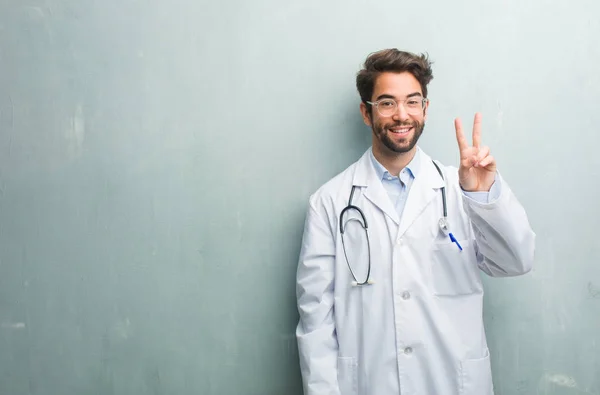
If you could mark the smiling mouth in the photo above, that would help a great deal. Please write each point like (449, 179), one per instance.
(401, 130)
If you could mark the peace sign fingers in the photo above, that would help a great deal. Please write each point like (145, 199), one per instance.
(477, 130)
(477, 166)
(463, 144)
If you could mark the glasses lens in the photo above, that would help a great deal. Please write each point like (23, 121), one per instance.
(387, 107)
(414, 105)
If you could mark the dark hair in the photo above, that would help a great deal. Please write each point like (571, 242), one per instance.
(395, 61)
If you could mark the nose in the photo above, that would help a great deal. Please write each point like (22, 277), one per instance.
(400, 114)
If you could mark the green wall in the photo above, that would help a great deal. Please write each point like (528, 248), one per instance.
(156, 158)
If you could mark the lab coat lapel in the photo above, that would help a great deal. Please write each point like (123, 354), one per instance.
(424, 188)
(365, 176)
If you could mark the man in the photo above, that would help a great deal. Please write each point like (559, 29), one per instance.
(388, 284)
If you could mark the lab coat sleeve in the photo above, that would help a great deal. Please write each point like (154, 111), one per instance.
(316, 335)
(505, 242)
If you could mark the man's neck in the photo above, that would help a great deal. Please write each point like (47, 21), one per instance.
(392, 161)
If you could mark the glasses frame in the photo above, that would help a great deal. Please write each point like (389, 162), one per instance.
(424, 102)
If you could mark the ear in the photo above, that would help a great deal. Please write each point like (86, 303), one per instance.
(425, 110)
(365, 114)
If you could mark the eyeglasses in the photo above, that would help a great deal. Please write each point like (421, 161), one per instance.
(388, 107)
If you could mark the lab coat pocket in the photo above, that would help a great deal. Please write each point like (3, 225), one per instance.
(348, 376)
(476, 376)
(455, 271)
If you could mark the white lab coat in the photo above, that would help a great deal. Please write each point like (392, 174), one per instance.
(418, 330)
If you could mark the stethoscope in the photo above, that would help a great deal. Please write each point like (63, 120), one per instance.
(442, 223)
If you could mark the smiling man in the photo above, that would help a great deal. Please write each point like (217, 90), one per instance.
(389, 282)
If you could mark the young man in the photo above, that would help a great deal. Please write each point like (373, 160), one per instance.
(388, 284)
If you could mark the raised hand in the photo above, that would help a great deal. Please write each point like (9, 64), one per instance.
(477, 169)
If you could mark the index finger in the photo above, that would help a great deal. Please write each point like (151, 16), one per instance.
(460, 136)
(477, 130)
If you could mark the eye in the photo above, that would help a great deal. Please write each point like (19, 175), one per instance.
(413, 102)
(387, 103)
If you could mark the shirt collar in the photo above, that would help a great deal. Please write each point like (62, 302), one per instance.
(412, 166)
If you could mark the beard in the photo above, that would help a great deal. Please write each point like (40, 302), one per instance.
(405, 144)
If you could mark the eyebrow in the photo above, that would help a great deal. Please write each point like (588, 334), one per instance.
(386, 96)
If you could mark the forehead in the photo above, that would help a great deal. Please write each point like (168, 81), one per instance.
(396, 84)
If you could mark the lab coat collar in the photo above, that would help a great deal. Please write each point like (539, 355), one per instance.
(421, 193)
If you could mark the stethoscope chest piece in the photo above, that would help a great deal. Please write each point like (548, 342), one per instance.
(444, 226)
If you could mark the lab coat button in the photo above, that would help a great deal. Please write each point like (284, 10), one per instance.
(405, 295)
(408, 351)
